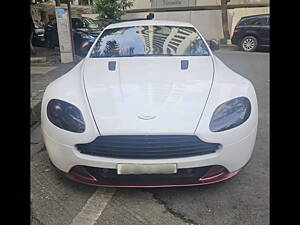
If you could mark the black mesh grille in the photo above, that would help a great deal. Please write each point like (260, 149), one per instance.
(147, 146)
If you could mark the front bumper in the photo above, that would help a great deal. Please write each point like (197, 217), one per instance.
(186, 177)
(223, 164)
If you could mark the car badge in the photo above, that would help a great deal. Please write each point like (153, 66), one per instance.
(145, 117)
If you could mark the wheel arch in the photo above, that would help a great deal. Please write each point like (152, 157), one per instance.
(250, 33)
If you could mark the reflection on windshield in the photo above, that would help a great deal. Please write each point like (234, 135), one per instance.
(149, 41)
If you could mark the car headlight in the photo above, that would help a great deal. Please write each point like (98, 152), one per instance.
(230, 114)
(65, 116)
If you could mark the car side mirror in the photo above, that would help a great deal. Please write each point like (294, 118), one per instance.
(214, 45)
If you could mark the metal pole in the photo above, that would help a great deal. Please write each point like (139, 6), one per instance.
(71, 32)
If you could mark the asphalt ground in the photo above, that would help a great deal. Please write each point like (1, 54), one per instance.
(243, 199)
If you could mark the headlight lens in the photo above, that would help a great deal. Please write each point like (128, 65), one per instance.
(230, 114)
(65, 115)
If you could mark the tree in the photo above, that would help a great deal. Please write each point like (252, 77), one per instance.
(110, 11)
(225, 19)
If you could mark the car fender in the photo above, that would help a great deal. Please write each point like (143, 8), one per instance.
(69, 88)
(227, 85)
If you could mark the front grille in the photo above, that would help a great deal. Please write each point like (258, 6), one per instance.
(147, 146)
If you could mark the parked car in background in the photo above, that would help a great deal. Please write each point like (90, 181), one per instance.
(51, 36)
(38, 37)
(252, 32)
(85, 31)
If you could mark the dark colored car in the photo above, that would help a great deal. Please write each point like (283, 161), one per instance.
(85, 31)
(51, 36)
(38, 38)
(252, 32)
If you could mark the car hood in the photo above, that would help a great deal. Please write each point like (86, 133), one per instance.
(147, 95)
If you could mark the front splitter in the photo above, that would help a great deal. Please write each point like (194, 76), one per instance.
(214, 174)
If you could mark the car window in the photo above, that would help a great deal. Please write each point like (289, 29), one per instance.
(76, 23)
(149, 41)
(251, 21)
(264, 21)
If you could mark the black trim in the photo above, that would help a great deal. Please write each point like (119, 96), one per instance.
(147, 146)
(110, 176)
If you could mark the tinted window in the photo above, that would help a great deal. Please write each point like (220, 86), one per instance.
(251, 21)
(256, 21)
(149, 41)
(264, 21)
(76, 23)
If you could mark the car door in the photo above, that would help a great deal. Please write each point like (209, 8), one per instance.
(265, 31)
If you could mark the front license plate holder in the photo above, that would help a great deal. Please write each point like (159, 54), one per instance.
(138, 169)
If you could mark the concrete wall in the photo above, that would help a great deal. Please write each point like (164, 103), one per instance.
(208, 22)
(141, 4)
(236, 2)
(232, 2)
(146, 4)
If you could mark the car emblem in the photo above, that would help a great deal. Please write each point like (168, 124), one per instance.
(145, 117)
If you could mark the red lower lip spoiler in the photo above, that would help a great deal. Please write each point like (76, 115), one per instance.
(214, 175)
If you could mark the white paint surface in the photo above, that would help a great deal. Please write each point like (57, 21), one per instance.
(94, 207)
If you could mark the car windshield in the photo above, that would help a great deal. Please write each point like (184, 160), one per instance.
(149, 41)
(89, 23)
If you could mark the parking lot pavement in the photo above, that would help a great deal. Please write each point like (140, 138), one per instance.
(42, 74)
(243, 199)
(59, 201)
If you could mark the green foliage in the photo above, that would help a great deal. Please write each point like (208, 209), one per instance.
(110, 11)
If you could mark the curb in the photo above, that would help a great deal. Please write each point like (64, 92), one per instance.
(37, 59)
(227, 46)
(35, 113)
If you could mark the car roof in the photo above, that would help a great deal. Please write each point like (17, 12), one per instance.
(149, 22)
(253, 16)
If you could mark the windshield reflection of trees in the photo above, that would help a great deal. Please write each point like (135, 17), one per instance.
(111, 48)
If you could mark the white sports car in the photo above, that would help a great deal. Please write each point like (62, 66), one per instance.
(149, 106)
